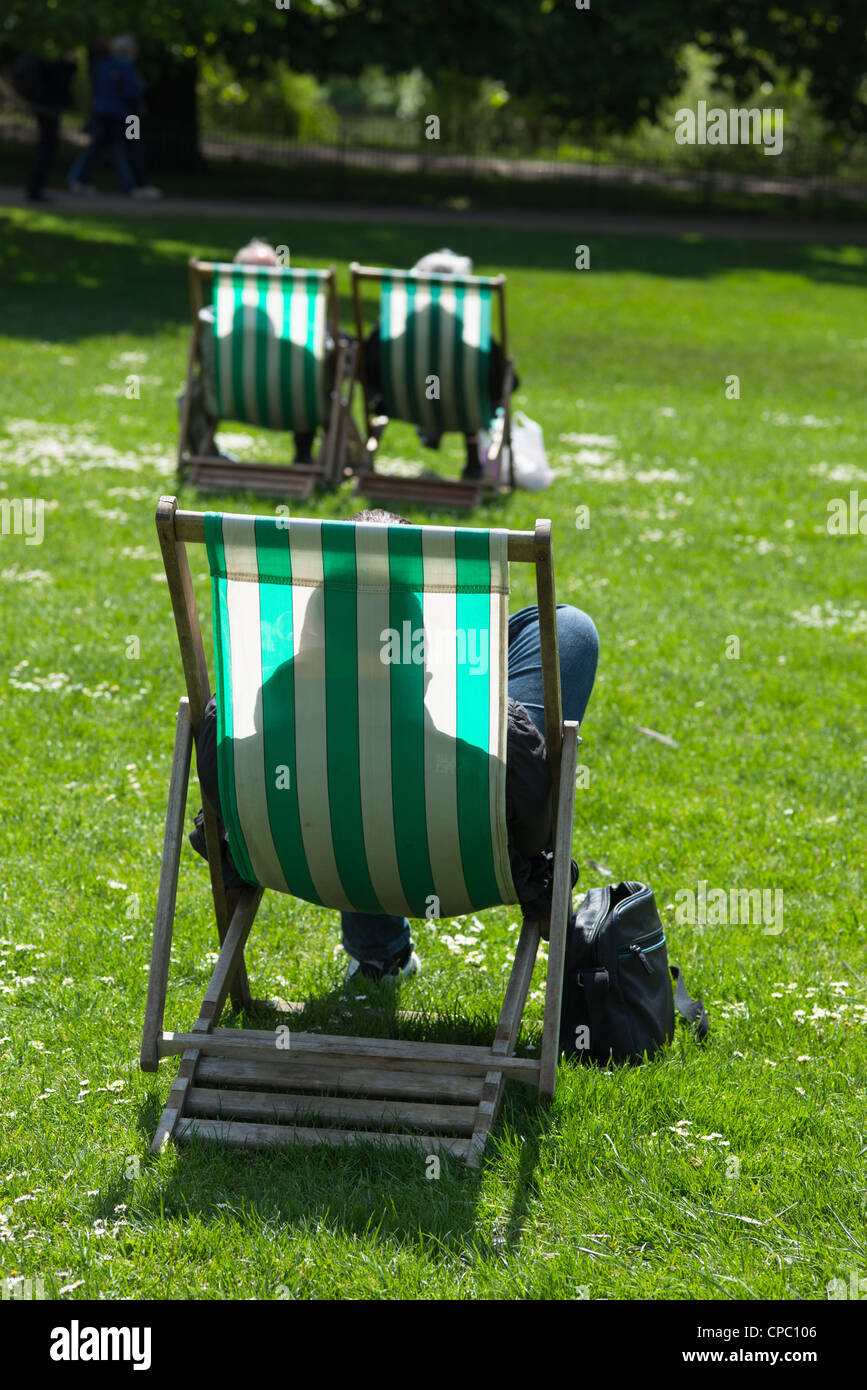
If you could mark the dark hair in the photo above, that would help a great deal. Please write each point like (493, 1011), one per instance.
(376, 514)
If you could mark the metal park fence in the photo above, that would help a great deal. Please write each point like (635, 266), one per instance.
(808, 173)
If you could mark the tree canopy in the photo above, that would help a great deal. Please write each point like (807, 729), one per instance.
(608, 64)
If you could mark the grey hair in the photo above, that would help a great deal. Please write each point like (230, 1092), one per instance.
(124, 46)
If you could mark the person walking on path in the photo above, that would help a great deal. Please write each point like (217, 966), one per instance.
(46, 86)
(117, 95)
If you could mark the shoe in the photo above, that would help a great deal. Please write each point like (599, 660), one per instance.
(403, 966)
(88, 188)
(147, 190)
(39, 198)
(473, 468)
(196, 837)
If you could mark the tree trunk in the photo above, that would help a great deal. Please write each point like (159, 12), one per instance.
(170, 127)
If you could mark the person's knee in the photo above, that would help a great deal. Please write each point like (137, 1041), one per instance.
(577, 629)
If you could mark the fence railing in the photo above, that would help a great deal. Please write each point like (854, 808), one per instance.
(804, 171)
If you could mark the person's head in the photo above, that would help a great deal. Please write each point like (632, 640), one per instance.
(256, 252)
(444, 262)
(124, 46)
(377, 516)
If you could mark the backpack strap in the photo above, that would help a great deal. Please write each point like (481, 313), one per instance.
(690, 1010)
(605, 1023)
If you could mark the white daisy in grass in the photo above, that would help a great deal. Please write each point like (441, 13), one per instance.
(613, 472)
(135, 494)
(107, 513)
(838, 472)
(661, 475)
(44, 449)
(16, 575)
(591, 457)
(399, 468)
(682, 1128)
(831, 615)
(606, 441)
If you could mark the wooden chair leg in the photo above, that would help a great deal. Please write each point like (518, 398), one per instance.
(325, 459)
(168, 889)
(230, 960)
(231, 957)
(560, 908)
(347, 390)
(224, 901)
(186, 408)
(496, 459)
(505, 1037)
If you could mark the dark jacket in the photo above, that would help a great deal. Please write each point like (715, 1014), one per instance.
(528, 801)
(46, 84)
(117, 88)
(372, 348)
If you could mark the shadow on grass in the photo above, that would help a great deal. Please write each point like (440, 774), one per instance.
(361, 1189)
(127, 274)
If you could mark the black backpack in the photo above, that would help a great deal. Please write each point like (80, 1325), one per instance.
(618, 1003)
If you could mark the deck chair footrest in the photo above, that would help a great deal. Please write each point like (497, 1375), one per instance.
(277, 479)
(453, 492)
(391, 1053)
(243, 1135)
(312, 1109)
(338, 1077)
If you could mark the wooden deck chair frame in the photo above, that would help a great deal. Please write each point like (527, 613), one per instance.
(211, 472)
(438, 1095)
(454, 492)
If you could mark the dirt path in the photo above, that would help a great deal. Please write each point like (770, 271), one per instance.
(577, 223)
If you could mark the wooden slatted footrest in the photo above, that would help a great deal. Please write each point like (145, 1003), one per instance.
(244, 1091)
(338, 1077)
(266, 1105)
(256, 1136)
(273, 479)
(444, 492)
(249, 1044)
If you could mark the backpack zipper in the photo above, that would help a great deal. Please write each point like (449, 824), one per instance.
(636, 950)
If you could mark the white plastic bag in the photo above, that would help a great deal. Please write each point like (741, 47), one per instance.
(528, 451)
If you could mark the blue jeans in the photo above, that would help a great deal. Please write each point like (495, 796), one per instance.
(371, 937)
(108, 133)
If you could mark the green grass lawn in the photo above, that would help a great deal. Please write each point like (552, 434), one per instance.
(724, 1172)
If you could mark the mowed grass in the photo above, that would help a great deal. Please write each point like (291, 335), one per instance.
(729, 1171)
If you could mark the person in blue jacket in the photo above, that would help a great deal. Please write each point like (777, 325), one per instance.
(118, 90)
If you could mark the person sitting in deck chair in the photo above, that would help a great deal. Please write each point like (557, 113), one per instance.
(256, 252)
(381, 947)
(444, 262)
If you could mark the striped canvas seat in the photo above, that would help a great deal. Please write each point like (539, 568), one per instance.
(361, 749)
(270, 329)
(361, 691)
(436, 327)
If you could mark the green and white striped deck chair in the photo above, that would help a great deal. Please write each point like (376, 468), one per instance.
(361, 693)
(267, 353)
(434, 370)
